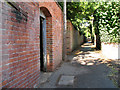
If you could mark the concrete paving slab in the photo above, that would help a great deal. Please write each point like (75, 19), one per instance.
(66, 80)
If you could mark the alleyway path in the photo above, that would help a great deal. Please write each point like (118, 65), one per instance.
(87, 68)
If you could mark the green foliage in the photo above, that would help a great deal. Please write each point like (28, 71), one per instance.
(80, 12)
(61, 4)
(106, 21)
(106, 17)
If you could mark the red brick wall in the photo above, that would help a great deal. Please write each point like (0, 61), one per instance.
(21, 43)
(20, 46)
(69, 37)
(0, 46)
(73, 38)
(55, 32)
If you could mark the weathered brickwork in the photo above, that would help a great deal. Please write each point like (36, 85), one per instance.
(21, 43)
(73, 38)
(54, 32)
(0, 45)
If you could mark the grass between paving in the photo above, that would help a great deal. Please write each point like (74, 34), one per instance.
(115, 72)
(114, 65)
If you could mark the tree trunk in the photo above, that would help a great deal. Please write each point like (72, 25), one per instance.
(98, 42)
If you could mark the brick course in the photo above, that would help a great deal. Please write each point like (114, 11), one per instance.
(21, 43)
(73, 38)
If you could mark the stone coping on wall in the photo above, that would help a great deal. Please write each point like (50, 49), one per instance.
(112, 44)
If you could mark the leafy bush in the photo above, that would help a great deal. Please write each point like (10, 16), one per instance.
(108, 18)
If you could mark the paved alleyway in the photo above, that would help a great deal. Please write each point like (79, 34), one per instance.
(85, 66)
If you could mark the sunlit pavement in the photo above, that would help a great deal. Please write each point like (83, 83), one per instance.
(87, 55)
(86, 66)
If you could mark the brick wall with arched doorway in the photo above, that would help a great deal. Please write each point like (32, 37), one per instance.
(20, 66)
(54, 33)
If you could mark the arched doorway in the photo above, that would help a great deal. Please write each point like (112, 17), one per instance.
(45, 39)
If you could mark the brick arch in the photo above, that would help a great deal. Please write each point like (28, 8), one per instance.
(46, 11)
(56, 28)
(49, 37)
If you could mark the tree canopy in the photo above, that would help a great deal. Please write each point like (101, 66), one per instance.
(79, 12)
(106, 16)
